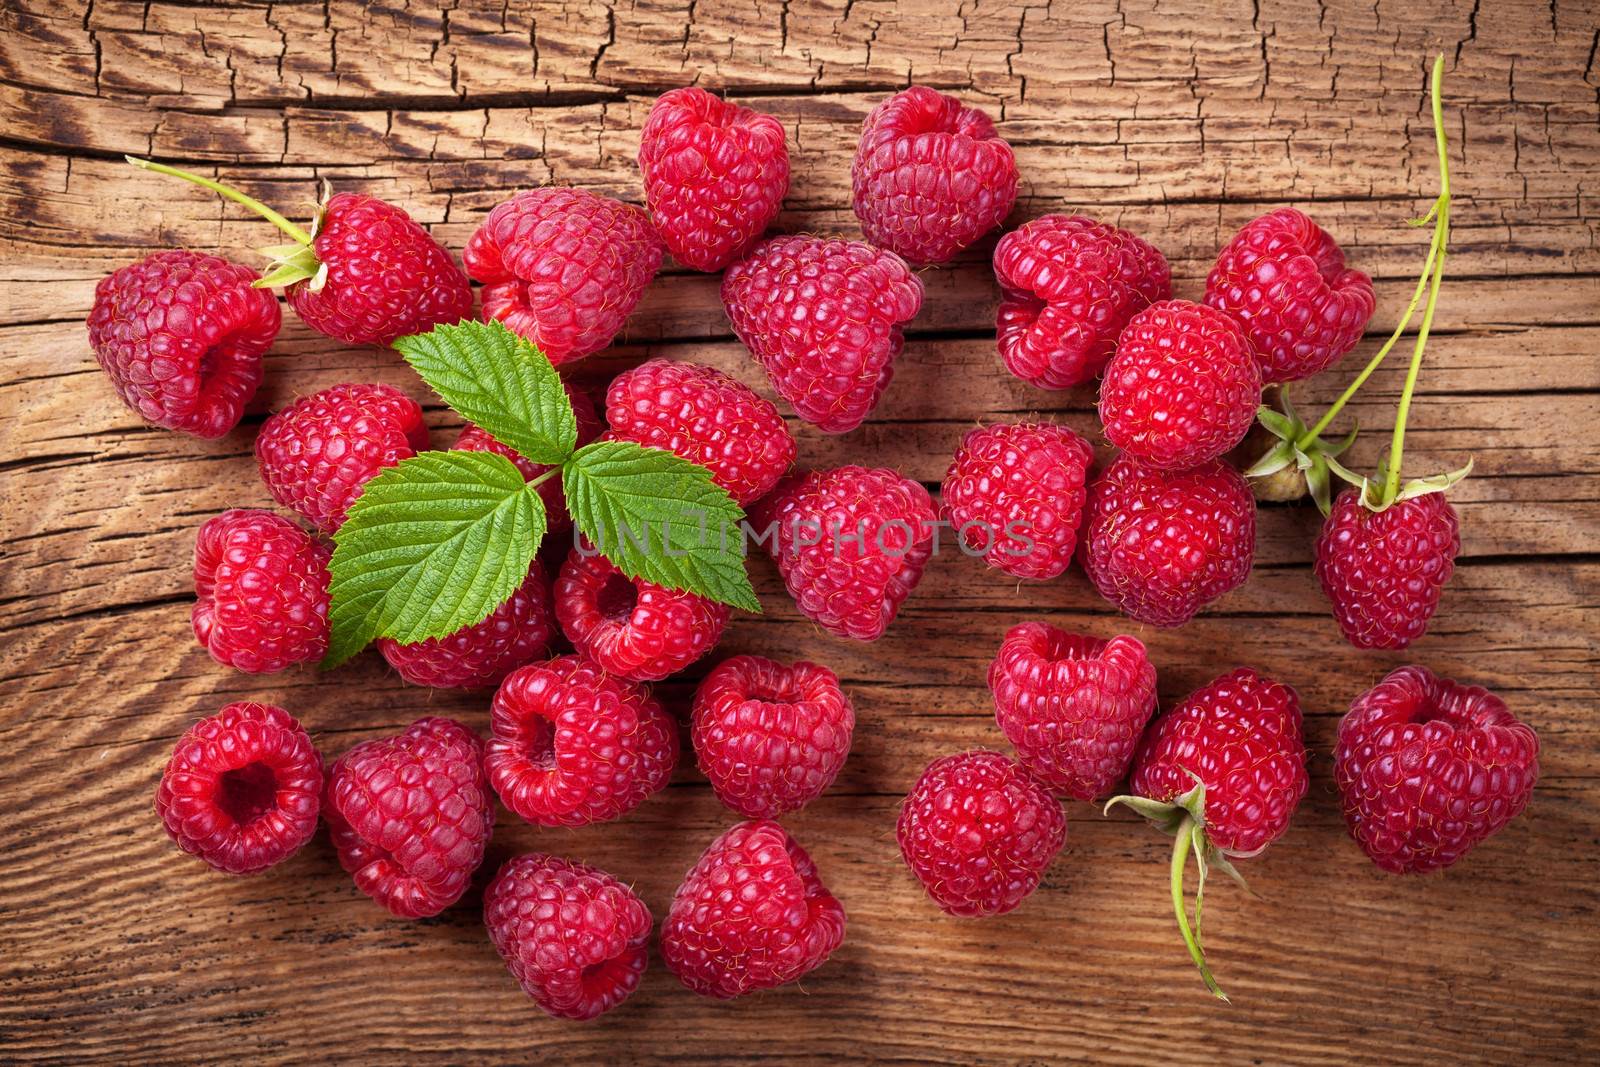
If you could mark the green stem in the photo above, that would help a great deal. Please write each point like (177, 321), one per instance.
(1180, 860)
(1391, 487)
(539, 480)
(232, 194)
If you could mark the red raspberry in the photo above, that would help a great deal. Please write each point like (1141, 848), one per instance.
(715, 175)
(707, 418)
(261, 592)
(1183, 387)
(1161, 545)
(752, 914)
(575, 938)
(386, 276)
(477, 439)
(978, 831)
(1384, 570)
(241, 789)
(1015, 494)
(1427, 768)
(1073, 705)
(1285, 280)
(485, 652)
(563, 267)
(1240, 735)
(182, 335)
(930, 176)
(630, 627)
(317, 453)
(1068, 285)
(823, 318)
(410, 815)
(571, 744)
(850, 543)
(1222, 772)
(770, 738)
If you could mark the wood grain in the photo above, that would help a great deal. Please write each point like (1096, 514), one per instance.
(1181, 120)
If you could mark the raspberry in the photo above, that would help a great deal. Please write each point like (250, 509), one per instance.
(823, 318)
(1385, 570)
(850, 543)
(386, 277)
(1073, 705)
(181, 336)
(477, 439)
(485, 652)
(630, 627)
(1068, 285)
(317, 453)
(707, 418)
(1222, 772)
(715, 175)
(978, 831)
(751, 914)
(261, 592)
(241, 789)
(1285, 280)
(570, 744)
(1161, 545)
(410, 815)
(575, 938)
(930, 176)
(563, 267)
(1015, 493)
(1427, 768)
(770, 738)
(1183, 387)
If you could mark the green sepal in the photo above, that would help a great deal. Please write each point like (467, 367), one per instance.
(1435, 483)
(291, 263)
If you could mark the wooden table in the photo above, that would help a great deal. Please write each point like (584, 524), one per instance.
(1180, 121)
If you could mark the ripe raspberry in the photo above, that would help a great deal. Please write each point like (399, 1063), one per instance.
(571, 744)
(770, 738)
(850, 543)
(181, 336)
(1183, 387)
(715, 175)
(241, 789)
(1427, 768)
(477, 439)
(751, 914)
(1384, 570)
(930, 176)
(1068, 285)
(410, 815)
(1161, 545)
(1073, 705)
(978, 831)
(1222, 772)
(1240, 735)
(707, 418)
(1285, 280)
(317, 453)
(386, 276)
(261, 592)
(630, 627)
(1015, 493)
(514, 633)
(563, 267)
(575, 938)
(823, 318)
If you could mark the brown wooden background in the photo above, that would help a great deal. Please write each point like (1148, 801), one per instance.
(1180, 120)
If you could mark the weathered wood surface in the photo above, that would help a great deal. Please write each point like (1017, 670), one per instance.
(1179, 120)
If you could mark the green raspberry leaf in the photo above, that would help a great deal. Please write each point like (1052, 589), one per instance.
(500, 381)
(432, 544)
(659, 517)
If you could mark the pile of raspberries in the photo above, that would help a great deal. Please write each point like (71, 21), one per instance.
(1166, 528)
